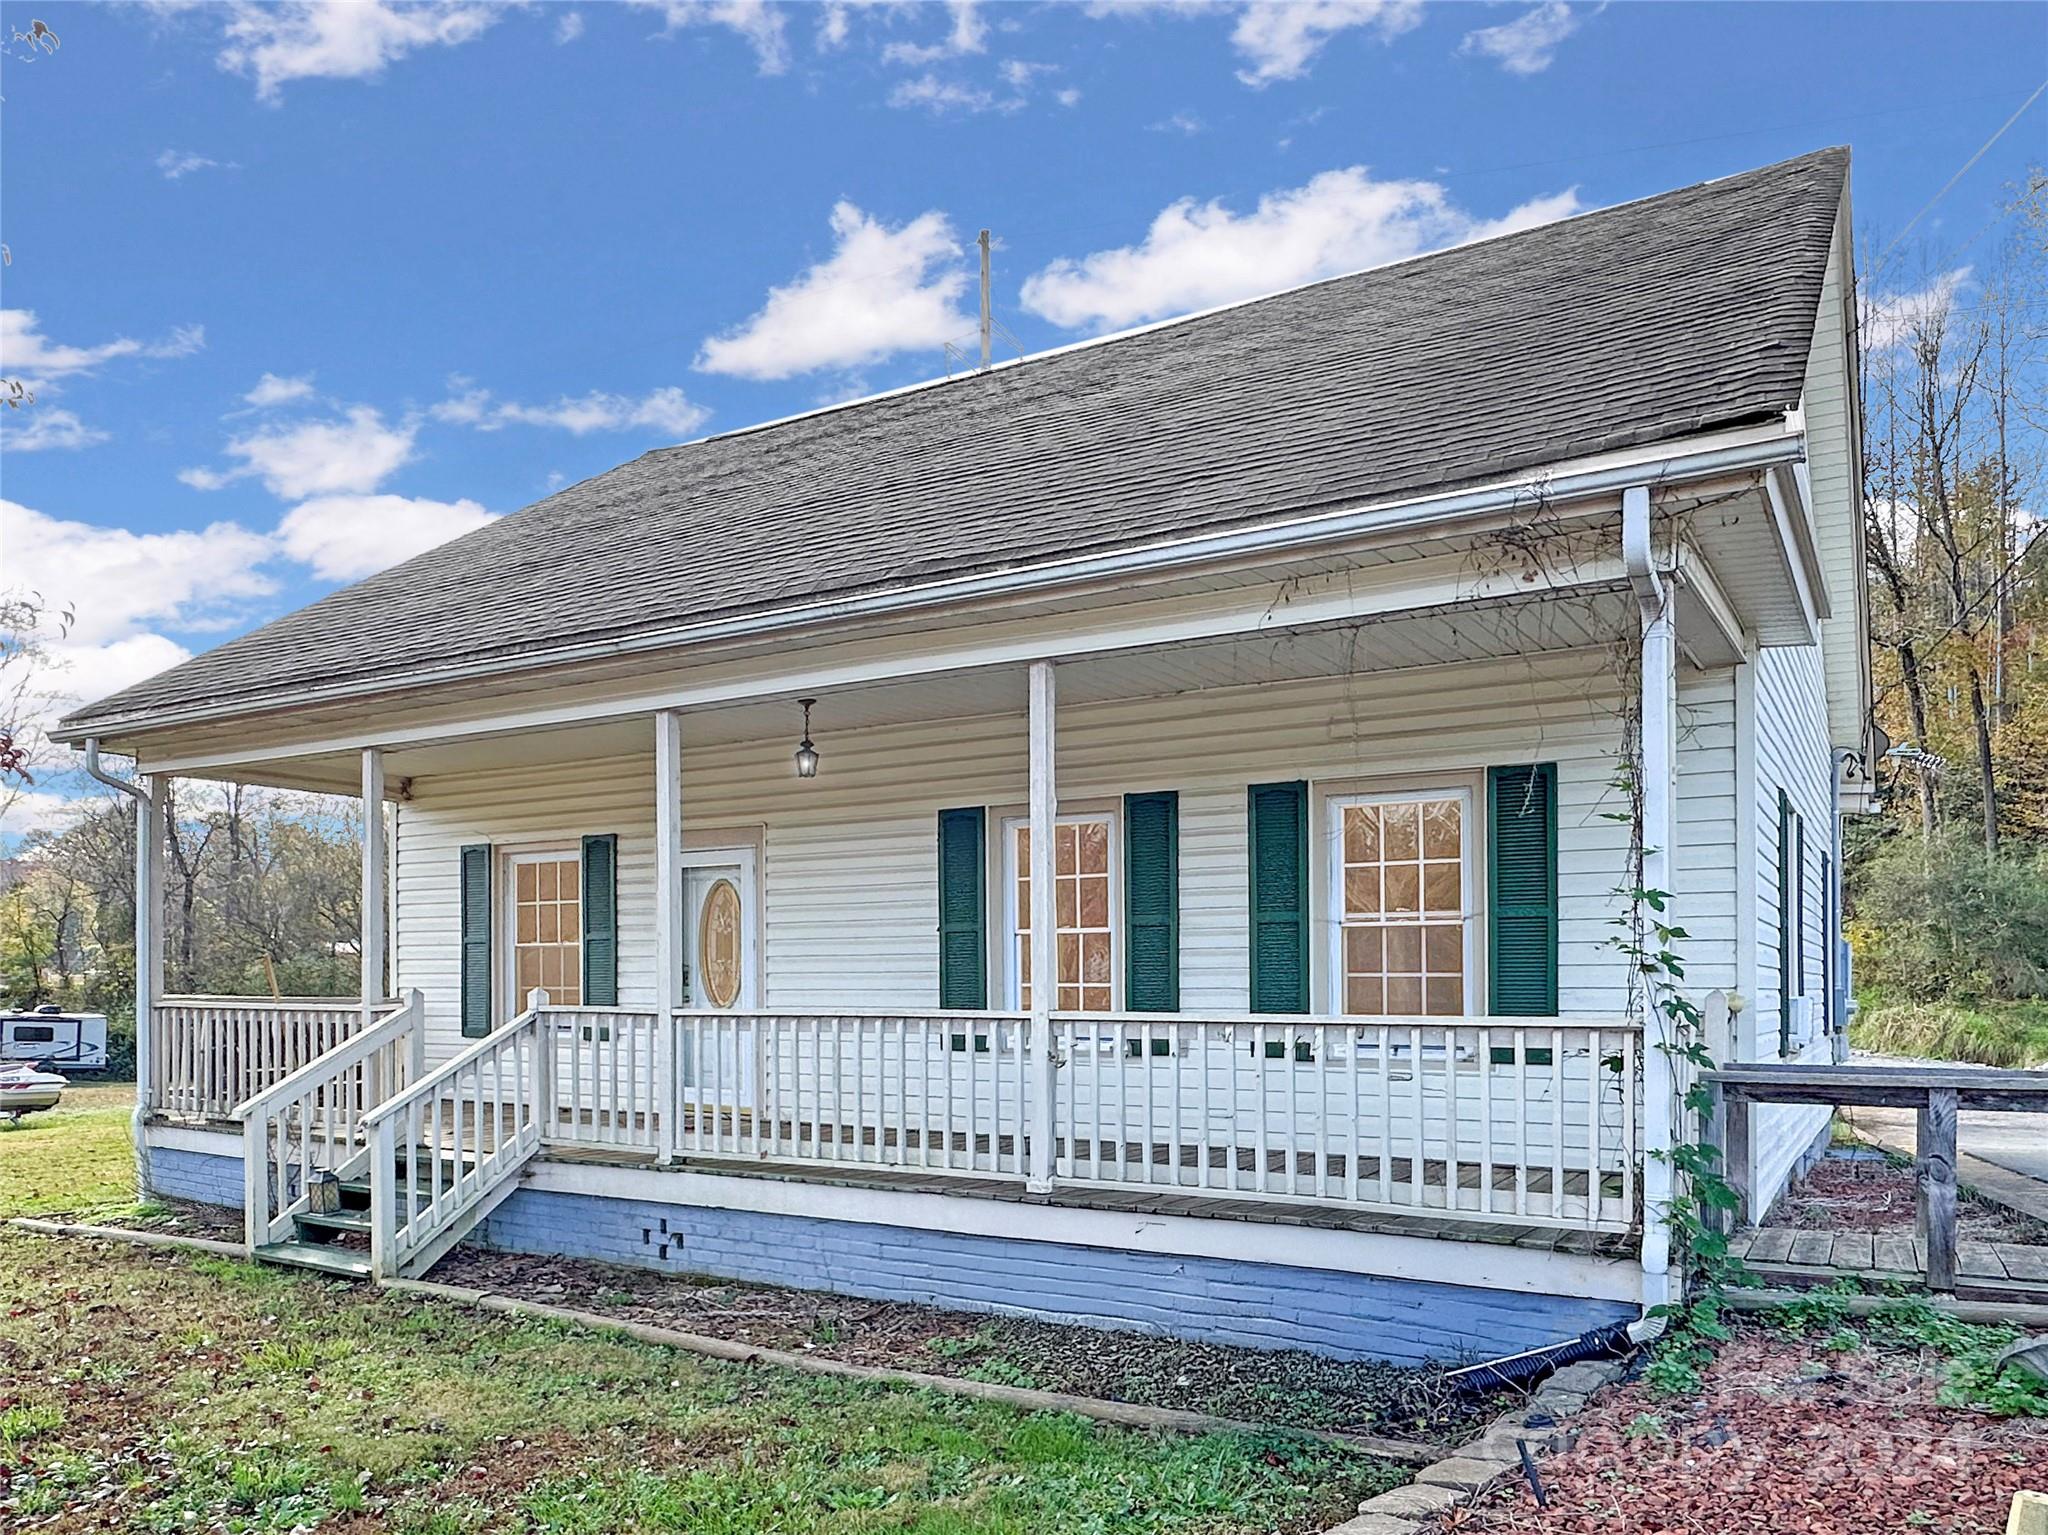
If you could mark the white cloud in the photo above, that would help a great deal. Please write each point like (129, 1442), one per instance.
(175, 163)
(350, 456)
(968, 34)
(1181, 122)
(273, 390)
(1199, 254)
(118, 583)
(943, 96)
(1068, 97)
(1526, 45)
(1891, 318)
(278, 41)
(568, 26)
(1280, 38)
(882, 291)
(30, 810)
(667, 410)
(343, 538)
(25, 352)
(41, 428)
(759, 22)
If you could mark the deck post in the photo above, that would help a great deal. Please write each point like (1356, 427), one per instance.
(1044, 939)
(149, 962)
(668, 922)
(1935, 1169)
(1658, 737)
(373, 907)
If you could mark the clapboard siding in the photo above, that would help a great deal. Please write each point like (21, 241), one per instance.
(849, 872)
(1792, 753)
(1834, 481)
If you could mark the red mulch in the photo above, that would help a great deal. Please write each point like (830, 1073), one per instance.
(1857, 1194)
(1787, 1437)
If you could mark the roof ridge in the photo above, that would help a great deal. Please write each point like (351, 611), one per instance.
(1195, 316)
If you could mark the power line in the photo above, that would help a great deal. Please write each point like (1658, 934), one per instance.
(1947, 186)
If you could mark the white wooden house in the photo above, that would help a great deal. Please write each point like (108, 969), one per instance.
(1288, 663)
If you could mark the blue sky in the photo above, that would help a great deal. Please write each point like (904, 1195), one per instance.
(302, 287)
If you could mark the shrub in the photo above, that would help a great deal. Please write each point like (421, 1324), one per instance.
(1943, 919)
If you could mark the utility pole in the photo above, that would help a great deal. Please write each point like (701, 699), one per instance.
(985, 315)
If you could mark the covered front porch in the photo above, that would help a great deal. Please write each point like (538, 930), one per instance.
(1333, 856)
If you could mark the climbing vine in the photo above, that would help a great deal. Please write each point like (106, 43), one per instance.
(1701, 1199)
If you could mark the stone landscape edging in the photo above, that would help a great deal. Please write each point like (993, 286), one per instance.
(1403, 1452)
(1479, 1464)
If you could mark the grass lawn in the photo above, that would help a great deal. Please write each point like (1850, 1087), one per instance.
(2010, 1034)
(142, 1390)
(78, 1156)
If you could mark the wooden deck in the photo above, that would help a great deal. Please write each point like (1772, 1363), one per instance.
(1140, 1202)
(1799, 1257)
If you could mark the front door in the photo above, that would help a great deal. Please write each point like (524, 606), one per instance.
(719, 942)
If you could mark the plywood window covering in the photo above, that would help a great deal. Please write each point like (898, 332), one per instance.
(1403, 888)
(1083, 910)
(547, 926)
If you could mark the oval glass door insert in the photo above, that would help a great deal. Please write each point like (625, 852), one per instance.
(718, 944)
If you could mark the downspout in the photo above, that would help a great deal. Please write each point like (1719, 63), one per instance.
(1838, 949)
(1657, 737)
(147, 829)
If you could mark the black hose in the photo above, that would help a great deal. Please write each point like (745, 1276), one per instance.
(1610, 1342)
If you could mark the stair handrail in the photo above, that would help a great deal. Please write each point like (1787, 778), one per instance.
(428, 1083)
(397, 1246)
(266, 1118)
(406, 1014)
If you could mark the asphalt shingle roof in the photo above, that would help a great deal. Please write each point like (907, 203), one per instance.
(1658, 319)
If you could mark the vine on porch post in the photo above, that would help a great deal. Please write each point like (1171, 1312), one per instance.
(1700, 1194)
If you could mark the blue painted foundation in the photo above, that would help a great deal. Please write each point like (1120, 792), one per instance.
(195, 1176)
(1257, 1305)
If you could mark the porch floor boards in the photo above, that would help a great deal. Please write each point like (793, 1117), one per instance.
(2010, 1270)
(1138, 1201)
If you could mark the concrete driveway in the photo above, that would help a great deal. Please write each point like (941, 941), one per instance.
(2003, 1155)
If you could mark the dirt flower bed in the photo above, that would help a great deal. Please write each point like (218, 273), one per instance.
(1825, 1435)
(1296, 1389)
(1876, 1194)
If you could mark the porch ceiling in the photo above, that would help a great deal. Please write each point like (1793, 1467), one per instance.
(1540, 622)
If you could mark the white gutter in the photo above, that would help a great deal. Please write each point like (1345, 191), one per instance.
(1293, 536)
(148, 830)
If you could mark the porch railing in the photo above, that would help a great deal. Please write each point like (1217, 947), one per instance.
(212, 1053)
(1516, 1121)
(940, 1092)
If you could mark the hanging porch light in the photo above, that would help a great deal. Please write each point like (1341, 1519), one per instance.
(806, 753)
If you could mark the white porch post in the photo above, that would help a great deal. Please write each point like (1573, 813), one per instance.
(1044, 942)
(668, 920)
(1659, 742)
(149, 961)
(373, 905)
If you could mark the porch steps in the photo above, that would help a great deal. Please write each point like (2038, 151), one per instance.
(356, 1222)
(342, 1262)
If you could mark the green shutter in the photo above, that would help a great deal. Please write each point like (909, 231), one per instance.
(963, 908)
(1785, 899)
(1521, 885)
(1277, 828)
(601, 921)
(476, 940)
(1152, 902)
